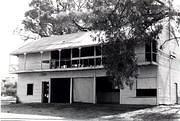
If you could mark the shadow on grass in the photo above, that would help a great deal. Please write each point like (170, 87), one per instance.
(71, 111)
(158, 116)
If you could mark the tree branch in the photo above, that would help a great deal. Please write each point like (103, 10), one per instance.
(80, 27)
(161, 46)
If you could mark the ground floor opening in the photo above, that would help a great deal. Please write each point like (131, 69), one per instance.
(106, 92)
(99, 90)
(45, 92)
(60, 90)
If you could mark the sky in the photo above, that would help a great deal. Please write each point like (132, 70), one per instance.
(12, 13)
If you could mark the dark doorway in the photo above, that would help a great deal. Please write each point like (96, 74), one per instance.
(45, 92)
(60, 90)
(176, 92)
(106, 92)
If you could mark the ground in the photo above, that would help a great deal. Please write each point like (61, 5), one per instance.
(90, 112)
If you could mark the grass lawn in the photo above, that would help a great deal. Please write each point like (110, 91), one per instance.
(97, 112)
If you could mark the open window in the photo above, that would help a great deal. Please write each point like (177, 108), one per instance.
(98, 50)
(66, 58)
(146, 92)
(54, 63)
(75, 52)
(87, 51)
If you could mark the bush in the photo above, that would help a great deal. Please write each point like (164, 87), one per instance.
(11, 92)
(9, 89)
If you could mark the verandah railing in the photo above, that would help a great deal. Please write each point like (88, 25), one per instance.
(79, 62)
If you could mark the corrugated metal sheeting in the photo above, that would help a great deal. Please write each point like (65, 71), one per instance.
(57, 42)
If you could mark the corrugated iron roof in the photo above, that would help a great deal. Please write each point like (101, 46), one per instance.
(57, 42)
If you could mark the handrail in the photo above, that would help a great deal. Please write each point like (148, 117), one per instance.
(80, 62)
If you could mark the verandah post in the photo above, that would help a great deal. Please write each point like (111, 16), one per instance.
(59, 58)
(25, 61)
(41, 52)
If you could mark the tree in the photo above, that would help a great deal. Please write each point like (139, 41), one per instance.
(125, 23)
(128, 23)
(46, 17)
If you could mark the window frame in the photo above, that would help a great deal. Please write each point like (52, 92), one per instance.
(30, 87)
(146, 95)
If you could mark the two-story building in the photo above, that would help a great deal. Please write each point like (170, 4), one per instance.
(69, 68)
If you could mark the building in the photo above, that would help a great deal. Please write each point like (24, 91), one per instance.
(69, 68)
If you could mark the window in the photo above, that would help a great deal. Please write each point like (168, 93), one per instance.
(75, 52)
(66, 54)
(87, 51)
(105, 84)
(98, 50)
(146, 92)
(98, 61)
(151, 51)
(29, 89)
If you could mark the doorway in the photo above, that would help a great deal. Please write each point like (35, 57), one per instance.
(60, 90)
(45, 92)
(176, 93)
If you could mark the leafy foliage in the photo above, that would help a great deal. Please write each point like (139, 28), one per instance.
(127, 23)
(8, 88)
(47, 18)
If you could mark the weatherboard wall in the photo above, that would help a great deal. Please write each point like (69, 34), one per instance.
(168, 69)
(38, 78)
(147, 79)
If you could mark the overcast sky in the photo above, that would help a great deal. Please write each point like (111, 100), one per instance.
(12, 13)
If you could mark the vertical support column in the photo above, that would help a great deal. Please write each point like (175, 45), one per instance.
(157, 87)
(120, 96)
(151, 52)
(71, 86)
(101, 55)
(79, 57)
(49, 99)
(170, 83)
(71, 58)
(41, 58)
(59, 58)
(94, 55)
(94, 87)
(25, 61)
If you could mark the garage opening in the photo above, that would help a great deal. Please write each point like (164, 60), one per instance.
(106, 92)
(60, 90)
